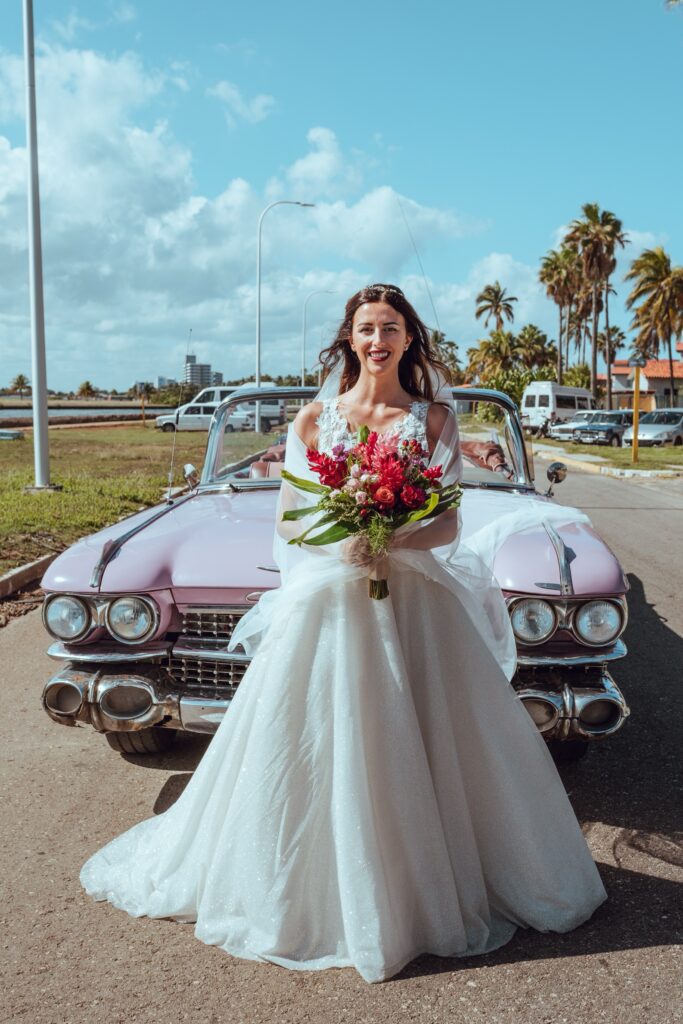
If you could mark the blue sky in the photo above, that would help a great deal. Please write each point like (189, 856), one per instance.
(165, 128)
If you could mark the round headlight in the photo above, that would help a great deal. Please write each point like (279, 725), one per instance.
(533, 621)
(130, 619)
(66, 617)
(597, 622)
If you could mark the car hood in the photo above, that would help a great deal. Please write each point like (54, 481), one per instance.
(218, 541)
(652, 429)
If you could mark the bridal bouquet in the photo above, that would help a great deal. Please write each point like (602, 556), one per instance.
(371, 488)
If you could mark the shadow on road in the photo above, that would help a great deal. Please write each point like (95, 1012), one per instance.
(640, 912)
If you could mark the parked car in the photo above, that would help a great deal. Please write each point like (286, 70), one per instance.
(604, 428)
(563, 430)
(141, 613)
(197, 415)
(661, 426)
(544, 402)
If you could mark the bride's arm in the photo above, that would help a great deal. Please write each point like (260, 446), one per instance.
(305, 426)
(444, 529)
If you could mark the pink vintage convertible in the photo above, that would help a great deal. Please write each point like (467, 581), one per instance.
(142, 612)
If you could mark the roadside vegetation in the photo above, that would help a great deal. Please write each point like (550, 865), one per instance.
(105, 473)
(667, 457)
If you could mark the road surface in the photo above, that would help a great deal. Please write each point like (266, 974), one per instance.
(71, 960)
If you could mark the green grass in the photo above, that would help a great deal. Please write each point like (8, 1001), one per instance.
(106, 473)
(648, 458)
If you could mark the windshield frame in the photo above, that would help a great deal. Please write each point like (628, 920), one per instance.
(210, 480)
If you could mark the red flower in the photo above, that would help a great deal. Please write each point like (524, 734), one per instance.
(433, 473)
(390, 471)
(331, 472)
(412, 497)
(384, 496)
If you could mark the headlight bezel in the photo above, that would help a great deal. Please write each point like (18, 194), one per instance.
(538, 600)
(97, 609)
(85, 605)
(565, 611)
(154, 619)
(618, 607)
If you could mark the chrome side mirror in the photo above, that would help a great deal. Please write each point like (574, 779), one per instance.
(556, 473)
(192, 476)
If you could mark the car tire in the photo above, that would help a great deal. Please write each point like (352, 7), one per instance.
(566, 751)
(144, 741)
(229, 428)
(678, 441)
(168, 428)
(614, 441)
(265, 426)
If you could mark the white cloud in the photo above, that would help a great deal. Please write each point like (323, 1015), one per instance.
(237, 107)
(134, 257)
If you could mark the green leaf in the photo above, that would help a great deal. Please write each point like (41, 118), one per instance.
(299, 513)
(304, 485)
(331, 536)
(420, 513)
(363, 434)
(323, 521)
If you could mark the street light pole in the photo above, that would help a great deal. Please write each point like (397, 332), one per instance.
(278, 202)
(35, 262)
(319, 291)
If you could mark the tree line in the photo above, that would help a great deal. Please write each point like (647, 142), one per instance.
(578, 276)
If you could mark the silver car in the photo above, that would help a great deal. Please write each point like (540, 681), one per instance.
(661, 426)
(563, 430)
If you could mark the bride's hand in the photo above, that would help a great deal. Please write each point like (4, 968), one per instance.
(356, 551)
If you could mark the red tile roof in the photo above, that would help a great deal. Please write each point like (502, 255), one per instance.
(656, 368)
(620, 370)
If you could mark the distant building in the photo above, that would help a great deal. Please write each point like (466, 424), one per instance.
(216, 377)
(165, 382)
(655, 388)
(199, 375)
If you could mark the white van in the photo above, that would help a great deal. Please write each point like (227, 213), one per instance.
(545, 402)
(197, 414)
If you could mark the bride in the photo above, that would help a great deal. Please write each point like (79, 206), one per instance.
(376, 790)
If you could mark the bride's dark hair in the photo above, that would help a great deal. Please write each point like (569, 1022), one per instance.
(413, 369)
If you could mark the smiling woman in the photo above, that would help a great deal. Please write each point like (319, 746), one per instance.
(376, 790)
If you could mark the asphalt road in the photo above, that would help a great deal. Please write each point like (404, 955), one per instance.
(68, 959)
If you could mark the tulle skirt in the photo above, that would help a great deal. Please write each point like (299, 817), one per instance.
(375, 791)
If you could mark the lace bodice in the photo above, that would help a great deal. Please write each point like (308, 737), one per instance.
(334, 428)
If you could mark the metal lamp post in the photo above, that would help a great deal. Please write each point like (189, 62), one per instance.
(35, 262)
(318, 291)
(278, 202)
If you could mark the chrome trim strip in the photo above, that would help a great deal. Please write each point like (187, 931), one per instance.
(114, 545)
(100, 654)
(557, 661)
(563, 560)
(200, 650)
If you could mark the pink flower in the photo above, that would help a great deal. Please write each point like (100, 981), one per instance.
(361, 497)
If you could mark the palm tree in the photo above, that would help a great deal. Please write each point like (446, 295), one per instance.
(86, 390)
(493, 301)
(447, 352)
(657, 302)
(561, 274)
(533, 350)
(617, 340)
(20, 384)
(595, 236)
(496, 354)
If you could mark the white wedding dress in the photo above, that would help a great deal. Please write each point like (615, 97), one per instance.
(376, 789)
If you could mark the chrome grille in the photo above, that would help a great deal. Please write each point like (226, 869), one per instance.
(204, 678)
(210, 622)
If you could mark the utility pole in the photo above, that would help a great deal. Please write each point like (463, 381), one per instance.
(35, 262)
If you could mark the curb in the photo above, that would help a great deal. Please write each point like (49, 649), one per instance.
(16, 579)
(594, 467)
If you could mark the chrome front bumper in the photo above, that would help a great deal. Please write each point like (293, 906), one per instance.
(574, 698)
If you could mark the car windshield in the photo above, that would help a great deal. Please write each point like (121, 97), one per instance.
(490, 435)
(606, 419)
(669, 419)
